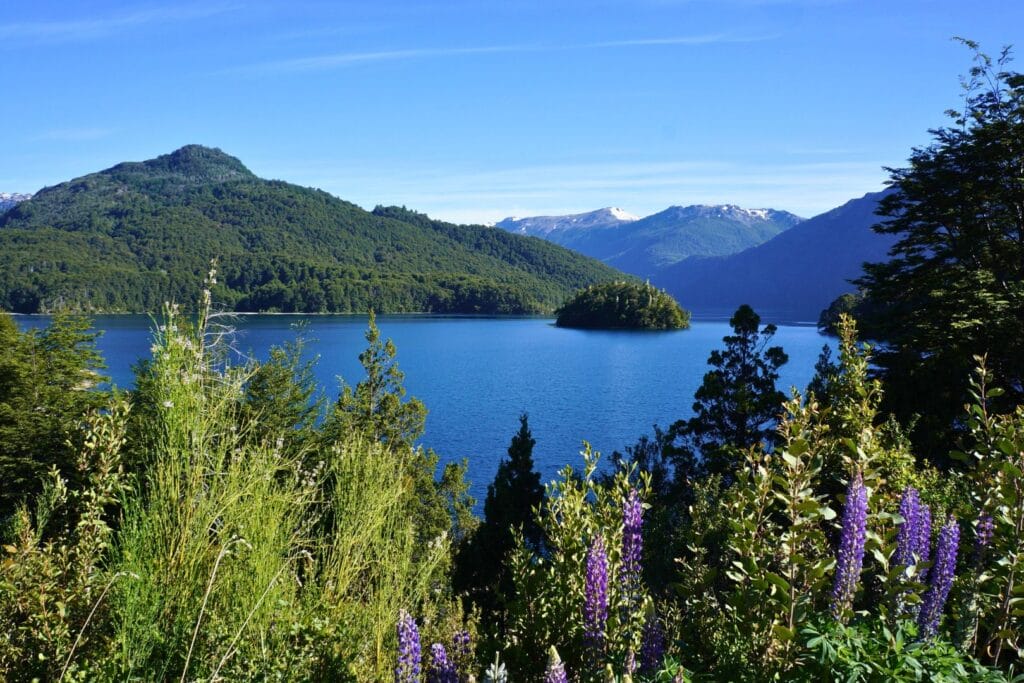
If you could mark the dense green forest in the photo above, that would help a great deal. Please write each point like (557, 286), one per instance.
(136, 235)
(221, 522)
(622, 305)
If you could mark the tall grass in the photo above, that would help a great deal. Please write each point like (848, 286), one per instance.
(229, 556)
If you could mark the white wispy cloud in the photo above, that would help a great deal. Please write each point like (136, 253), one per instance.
(99, 27)
(346, 59)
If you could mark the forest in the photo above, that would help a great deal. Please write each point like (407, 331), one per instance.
(218, 522)
(131, 237)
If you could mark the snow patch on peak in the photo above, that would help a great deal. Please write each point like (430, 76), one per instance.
(621, 215)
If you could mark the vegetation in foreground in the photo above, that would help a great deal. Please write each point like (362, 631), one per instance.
(221, 523)
(623, 305)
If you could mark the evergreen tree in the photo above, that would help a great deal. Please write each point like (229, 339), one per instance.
(375, 406)
(954, 287)
(736, 406)
(508, 509)
(48, 379)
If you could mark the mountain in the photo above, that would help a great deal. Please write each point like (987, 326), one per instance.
(645, 246)
(9, 199)
(796, 274)
(556, 228)
(133, 236)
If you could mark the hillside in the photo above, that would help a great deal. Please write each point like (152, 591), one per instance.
(797, 273)
(647, 245)
(140, 233)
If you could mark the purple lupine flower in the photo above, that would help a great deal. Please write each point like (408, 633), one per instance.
(408, 669)
(441, 670)
(983, 537)
(460, 650)
(940, 579)
(652, 644)
(595, 607)
(632, 544)
(907, 536)
(555, 673)
(850, 557)
(923, 544)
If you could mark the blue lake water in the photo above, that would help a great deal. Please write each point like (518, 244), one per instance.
(477, 374)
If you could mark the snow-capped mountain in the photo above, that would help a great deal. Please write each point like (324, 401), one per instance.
(643, 246)
(9, 199)
(543, 226)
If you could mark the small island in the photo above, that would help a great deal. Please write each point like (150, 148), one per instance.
(623, 306)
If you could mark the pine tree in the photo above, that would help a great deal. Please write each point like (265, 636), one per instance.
(512, 498)
(736, 406)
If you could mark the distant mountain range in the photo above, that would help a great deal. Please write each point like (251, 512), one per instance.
(646, 246)
(9, 199)
(141, 233)
(795, 274)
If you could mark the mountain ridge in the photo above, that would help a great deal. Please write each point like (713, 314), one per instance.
(797, 273)
(137, 234)
(644, 246)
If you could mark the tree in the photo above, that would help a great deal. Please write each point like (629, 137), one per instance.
(954, 287)
(512, 498)
(375, 406)
(47, 382)
(736, 406)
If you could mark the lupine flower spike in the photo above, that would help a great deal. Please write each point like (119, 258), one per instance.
(940, 579)
(983, 537)
(907, 536)
(555, 673)
(408, 669)
(652, 645)
(442, 670)
(632, 543)
(850, 558)
(595, 608)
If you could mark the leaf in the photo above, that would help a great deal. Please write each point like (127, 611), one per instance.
(783, 633)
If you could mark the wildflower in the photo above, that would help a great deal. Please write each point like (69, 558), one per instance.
(460, 648)
(924, 534)
(850, 558)
(907, 536)
(940, 579)
(555, 673)
(983, 536)
(442, 670)
(652, 644)
(595, 608)
(408, 669)
(632, 543)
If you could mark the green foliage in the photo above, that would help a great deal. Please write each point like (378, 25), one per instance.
(954, 287)
(623, 305)
(547, 609)
(137, 235)
(994, 610)
(48, 379)
(871, 650)
(735, 407)
(513, 499)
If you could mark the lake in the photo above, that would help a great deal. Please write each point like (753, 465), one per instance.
(477, 374)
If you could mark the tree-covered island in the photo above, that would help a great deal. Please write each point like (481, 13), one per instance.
(623, 305)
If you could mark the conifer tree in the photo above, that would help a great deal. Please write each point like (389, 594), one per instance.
(508, 509)
(736, 406)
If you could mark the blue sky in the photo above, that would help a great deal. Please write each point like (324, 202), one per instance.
(473, 111)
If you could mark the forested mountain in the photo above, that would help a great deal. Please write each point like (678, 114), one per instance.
(797, 273)
(647, 245)
(135, 235)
